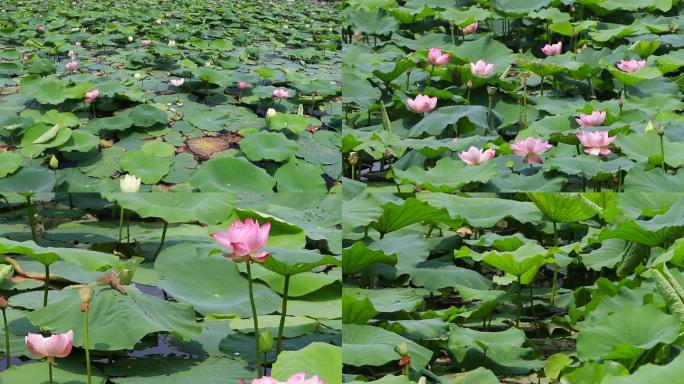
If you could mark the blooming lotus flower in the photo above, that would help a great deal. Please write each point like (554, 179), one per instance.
(280, 93)
(481, 68)
(244, 85)
(553, 49)
(422, 103)
(530, 149)
(177, 82)
(92, 95)
(40, 28)
(297, 378)
(630, 66)
(57, 345)
(130, 184)
(595, 119)
(245, 240)
(471, 28)
(596, 143)
(146, 42)
(437, 58)
(78, 43)
(475, 156)
(71, 65)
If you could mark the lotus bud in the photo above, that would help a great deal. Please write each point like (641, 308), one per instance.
(621, 102)
(270, 113)
(137, 75)
(422, 380)
(130, 39)
(3, 303)
(172, 43)
(353, 158)
(649, 127)
(401, 349)
(300, 110)
(660, 130)
(54, 163)
(469, 84)
(86, 294)
(265, 341)
(125, 276)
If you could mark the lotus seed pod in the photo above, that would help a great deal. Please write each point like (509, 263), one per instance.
(353, 158)
(491, 91)
(86, 293)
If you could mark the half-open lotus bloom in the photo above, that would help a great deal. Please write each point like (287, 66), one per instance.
(130, 183)
(481, 68)
(595, 119)
(177, 82)
(57, 345)
(553, 49)
(244, 85)
(475, 156)
(531, 149)
(280, 93)
(245, 240)
(471, 28)
(92, 95)
(71, 65)
(297, 378)
(437, 58)
(630, 66)
(422, 103)
(596, 143)
(146, 42)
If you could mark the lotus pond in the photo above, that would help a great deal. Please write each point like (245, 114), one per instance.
(514, 95)
(525, 288)
(168, 287)
(193, 96)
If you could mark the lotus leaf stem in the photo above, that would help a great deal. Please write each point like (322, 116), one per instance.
(255, 318)
(47, 285)
(32, 220)
(161, 244)
(283, 314)
(555, 266)
(7, 341)
(87, 345)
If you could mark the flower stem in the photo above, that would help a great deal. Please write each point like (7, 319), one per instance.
(47, 285)
(121, 216)
(50, 371)
(7, 342)
(254, 316)
(555, 266)
(87, 345)
(662, 153)
(32, 221)
(128, 227)
(520, 305)
(283, 314)
(161, 244)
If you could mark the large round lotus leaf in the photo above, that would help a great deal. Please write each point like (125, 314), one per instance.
(46, 90)
(86, 259)
(178, 370)
(213, 76)
(324, 360)
(158, 148)
(293, 123)
(67, 371)
(120, 122)
(9, 162)
(666, 373)
(52, 117)
(288, 262)
(212, 284)
(366, 345)
(29, 179)
(300, 177)
(179, 207)
(448, 175)
(488, 50)
(295, 326)
(41, 136)
(146, 115)
(81, 141)
(149, 168)
(268, 146)
(234, 174)
(565, 207)
(111, 312)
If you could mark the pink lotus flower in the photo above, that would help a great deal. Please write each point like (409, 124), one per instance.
(437, 58)
(245, 240)
(596, 143)
(553, 49)
(472, 28)
(297, 378)
(41, 28)
(57, 345)
(177, 82)
(244, 85)
(481, 68)
(595, 119)
(78, 43)
(530, 149)
(422, 103)
(146, 42)
(280, 93)
(475, 156)
(92, 95)
(71, 65)
(630, 66)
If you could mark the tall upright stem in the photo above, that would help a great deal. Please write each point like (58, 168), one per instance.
(161, 244)
(121, 216)
(32, 219)
(520, 305)
(47, 285)
(7, 342)
(87, 345)
(555, 266)
(50, 371)
(283, 314)
(256, 319)
(662, 153)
